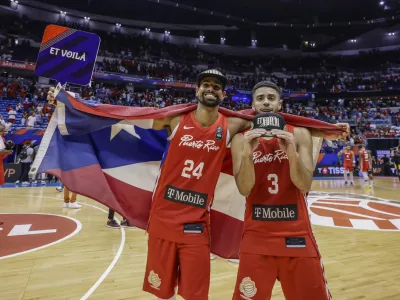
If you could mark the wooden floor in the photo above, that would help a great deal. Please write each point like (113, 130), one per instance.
(102, 263)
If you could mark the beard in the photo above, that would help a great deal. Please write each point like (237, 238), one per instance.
(209, 102)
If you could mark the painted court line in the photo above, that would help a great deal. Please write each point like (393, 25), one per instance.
(78, 228)
(116, 257)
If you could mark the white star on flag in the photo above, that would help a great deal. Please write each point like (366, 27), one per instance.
(129, 126)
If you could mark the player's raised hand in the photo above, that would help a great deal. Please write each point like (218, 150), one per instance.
(251, 140)
(50, 95)
(286, 140)
(346, 127)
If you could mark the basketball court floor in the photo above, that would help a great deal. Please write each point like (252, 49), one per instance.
(47, 252)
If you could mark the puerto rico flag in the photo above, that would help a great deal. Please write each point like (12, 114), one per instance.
(111, 154)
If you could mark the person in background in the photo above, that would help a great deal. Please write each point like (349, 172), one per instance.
(25, 157)
(348, 163)
(70, 199)
(395, 158)
(112, 223)
(364, 165)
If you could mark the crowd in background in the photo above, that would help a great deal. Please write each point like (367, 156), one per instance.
(27, 101)
(140, 55)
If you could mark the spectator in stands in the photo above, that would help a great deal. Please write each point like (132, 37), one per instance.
(112, 223)
(24, 119)
(25, 157)
(26, 105)
(39, 118)
(11, 115)
(31, 120)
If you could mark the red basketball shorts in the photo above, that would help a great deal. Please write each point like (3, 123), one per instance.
(170, 264)
(302, 278)
(349, 168)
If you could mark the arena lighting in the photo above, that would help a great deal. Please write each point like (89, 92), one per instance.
(87, 18)
(167, 32)
(391, 33)
(363, 21)
(63, 12)
(222, 39)
(202, 37)
(118, 25)
(353, 41)
(254, 41)
(148, 29)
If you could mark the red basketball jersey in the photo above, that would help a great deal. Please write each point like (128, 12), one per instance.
(276, 218)
(188, 176)
(364, 161)
(348, 158)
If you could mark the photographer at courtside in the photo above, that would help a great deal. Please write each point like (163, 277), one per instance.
(4, 152)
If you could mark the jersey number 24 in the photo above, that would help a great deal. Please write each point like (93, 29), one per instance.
(190, 170)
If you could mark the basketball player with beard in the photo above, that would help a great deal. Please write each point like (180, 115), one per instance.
(348, 163)
(179, 223)
(275, 174)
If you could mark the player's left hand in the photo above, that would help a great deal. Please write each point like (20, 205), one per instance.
(286, 140)
(346, 127)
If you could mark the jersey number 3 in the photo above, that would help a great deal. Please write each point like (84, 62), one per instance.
(189, 170)
(274, 181)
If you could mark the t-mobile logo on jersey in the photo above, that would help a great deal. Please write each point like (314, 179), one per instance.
(209, 145)
(270, 157)
(186, 197)
(286, 212)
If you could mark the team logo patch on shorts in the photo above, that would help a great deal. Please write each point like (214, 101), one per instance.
(154, 280)
(248, 288)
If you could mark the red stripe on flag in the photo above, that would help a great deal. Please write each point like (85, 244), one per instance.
(131, 202)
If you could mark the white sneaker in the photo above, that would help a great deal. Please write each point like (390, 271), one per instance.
(65, 205)
(74, 205)
(59, 189)
(17, 182)
(212, 256)
(235, 261)
(25, 183)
